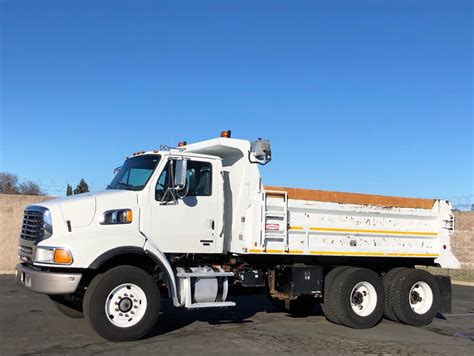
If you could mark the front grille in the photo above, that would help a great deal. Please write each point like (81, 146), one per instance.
(32, 228)
(26, 253)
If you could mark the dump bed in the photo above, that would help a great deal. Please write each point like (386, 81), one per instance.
(324, 223)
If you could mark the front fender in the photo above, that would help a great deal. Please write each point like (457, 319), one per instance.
(162, 260)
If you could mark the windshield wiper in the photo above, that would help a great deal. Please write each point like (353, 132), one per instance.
(126, 186)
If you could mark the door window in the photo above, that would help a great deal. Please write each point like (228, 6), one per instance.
(198, 180)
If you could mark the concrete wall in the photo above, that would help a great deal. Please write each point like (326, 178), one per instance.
(11, 218)
(11, 215)
(462, 241)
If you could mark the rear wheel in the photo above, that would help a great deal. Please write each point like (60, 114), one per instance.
(327, 307)
(388, 282)
(415, 297)
(357, 298)
(122, 304)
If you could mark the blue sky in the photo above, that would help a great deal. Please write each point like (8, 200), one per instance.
(364, 96)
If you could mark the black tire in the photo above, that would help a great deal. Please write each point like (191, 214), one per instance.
(388, 281)
(327, 307)
(400, 297)
(99, 293)
(341, 298)
(67, 307)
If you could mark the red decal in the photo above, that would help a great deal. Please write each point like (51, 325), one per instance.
(272, 227)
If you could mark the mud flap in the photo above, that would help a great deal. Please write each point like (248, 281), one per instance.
(444, 283)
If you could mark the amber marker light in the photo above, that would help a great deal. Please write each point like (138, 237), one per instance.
(182, 144)
(128, 216)
(226, 134)
(62, 256)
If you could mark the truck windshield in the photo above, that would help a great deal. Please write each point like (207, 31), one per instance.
(135, 172)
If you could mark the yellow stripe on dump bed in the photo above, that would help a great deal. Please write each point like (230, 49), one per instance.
(344, 253)
(392, 232)
(357, 253)
(413, 254)
(296, 228)
(348, 253)
(276, 251)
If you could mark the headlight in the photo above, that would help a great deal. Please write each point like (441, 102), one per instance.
(119, 216)
(53, 255)
(47, 224)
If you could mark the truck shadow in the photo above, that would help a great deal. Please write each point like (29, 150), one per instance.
(248, 304)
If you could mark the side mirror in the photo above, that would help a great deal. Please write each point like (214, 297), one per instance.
(180, 174)
(116, 170)
(261, 151)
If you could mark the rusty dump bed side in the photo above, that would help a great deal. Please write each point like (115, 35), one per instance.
(355, 198)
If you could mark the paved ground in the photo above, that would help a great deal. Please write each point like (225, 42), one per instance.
(30, 324)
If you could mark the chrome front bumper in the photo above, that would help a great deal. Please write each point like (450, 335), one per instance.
(47, 282)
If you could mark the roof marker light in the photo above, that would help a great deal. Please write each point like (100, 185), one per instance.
(226, 134)
(182, 144)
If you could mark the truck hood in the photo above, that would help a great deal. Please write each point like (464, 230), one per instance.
(81, 209)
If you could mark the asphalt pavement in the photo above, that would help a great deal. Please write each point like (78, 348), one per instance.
(31, 325)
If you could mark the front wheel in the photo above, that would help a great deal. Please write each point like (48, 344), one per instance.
(122, 304)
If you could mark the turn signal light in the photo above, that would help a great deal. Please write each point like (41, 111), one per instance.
(182, 144)
(226, 134)
(62, 256)
(128, 216)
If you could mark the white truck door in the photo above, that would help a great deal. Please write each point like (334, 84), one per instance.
(191, 225)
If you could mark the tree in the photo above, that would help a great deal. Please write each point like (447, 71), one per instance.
(9, 183)
(82, 187)
(30, 188)
(68, 190)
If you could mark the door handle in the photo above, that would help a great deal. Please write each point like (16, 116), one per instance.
(213, 224)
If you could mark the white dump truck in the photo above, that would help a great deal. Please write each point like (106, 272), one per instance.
(191, 222)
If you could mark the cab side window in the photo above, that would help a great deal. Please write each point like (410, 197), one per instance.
(198, 180)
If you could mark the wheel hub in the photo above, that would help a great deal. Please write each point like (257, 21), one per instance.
(125, 305)
(357, 298)
(415, 297)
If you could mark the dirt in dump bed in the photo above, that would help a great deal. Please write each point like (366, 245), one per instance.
(355, 198)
